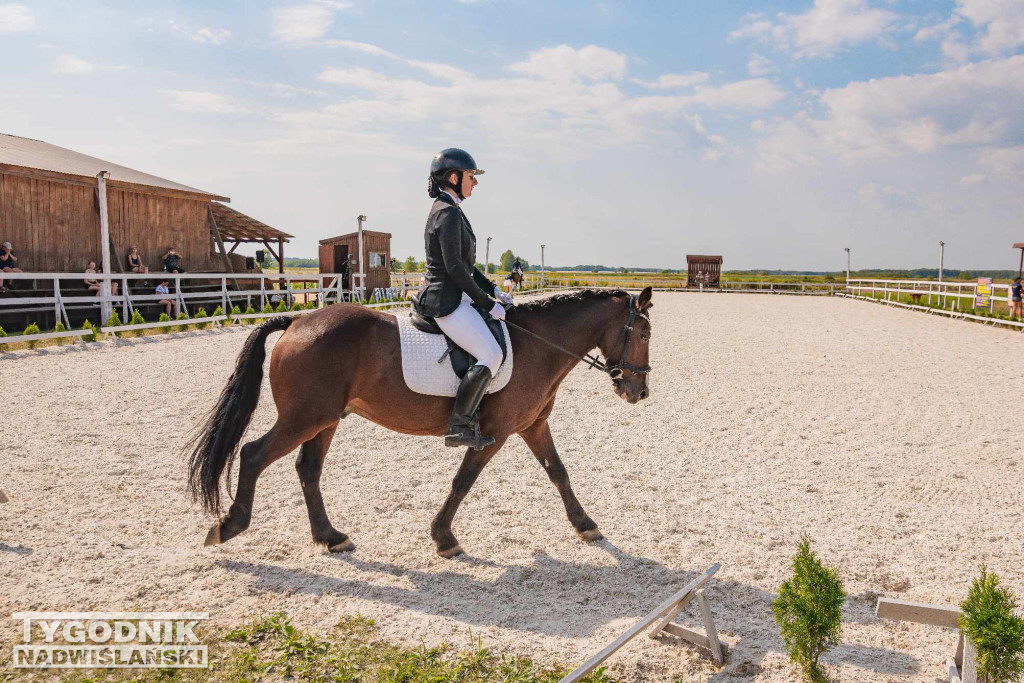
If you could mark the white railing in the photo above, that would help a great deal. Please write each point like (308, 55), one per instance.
(56, 293)
(958, 295)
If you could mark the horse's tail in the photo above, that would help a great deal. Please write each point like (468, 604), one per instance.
(216, 443)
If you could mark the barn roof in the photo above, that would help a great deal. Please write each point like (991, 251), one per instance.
(235, 226)
(352, 235)
(26, 153)
(703, 258)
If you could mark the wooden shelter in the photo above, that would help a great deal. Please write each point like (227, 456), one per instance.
(703, 270)
(1020, 269)
(49, 211)
(339, 255)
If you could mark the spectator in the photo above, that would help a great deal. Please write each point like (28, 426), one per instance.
(94, 285)
(135, 264)
(172, 261)
(163, 288)
(8, 263)
(1015, 299)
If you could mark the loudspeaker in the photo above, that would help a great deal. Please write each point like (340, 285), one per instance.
(250, 263)
(260, 255)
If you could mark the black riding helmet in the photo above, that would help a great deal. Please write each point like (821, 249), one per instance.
(446, 161)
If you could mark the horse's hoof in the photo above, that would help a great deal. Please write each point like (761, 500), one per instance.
(345, 546)
(591, 535)
(449, 553)
(213, 537)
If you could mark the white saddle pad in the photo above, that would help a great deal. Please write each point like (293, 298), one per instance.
(424, 375)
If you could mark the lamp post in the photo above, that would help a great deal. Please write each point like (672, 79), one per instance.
(542, 273)
(942, 254)
(487, 258)
(106, 307)
(362, 274)
(847, 250)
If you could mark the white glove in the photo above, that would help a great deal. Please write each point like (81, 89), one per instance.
(498, 312)
(505, 298)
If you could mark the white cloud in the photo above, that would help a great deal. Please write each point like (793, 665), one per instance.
(753, 93)
(1001, 22)
(299, 24)
(285, 90)
(667, 81)
(973, 179)
(760, 66)
(564, 64)
(16, 19)
(202, 102)
(365, 48)
(1009, 160)
(70, 64)
(974, 107)
(826, 27)
(211, 36)
(885, 198)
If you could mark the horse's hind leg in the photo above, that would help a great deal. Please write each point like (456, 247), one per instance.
(309, 465)
(538, 438)
(255, 457)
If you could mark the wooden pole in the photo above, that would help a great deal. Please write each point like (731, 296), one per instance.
(586, 667)
(220, 244)
(106, 308)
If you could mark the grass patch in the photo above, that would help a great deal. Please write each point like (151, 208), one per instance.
(272, 649)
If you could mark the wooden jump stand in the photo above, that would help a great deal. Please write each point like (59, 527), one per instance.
(960, 664)
(664, 615)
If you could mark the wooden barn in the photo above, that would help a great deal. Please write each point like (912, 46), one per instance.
(49, 211)
(339, 255)
(703, 270)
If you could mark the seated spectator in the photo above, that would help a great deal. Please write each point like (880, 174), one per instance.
(163, 288)
(172, 261)
(8, 263)
(135, 264)
(94, 285)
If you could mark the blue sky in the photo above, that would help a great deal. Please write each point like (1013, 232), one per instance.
(622, 133)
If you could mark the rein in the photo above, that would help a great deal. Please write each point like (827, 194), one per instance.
(614, 371)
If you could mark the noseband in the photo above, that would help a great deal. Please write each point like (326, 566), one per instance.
(614, 371)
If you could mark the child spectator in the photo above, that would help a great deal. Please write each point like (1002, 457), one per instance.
(135, 264)
(8, 263)
(172, 261)
(1015, 299)
(94, 285)
(163, 288)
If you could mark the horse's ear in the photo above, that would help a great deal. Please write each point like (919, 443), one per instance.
(643, 302)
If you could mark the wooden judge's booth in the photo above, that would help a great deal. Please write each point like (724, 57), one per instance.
(340, 255)
(703, 270)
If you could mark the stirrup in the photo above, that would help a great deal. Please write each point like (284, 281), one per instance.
(468, 436)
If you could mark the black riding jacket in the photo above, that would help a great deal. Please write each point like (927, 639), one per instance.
(450, 267)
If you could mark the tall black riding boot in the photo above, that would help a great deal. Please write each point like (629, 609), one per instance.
(464, 426)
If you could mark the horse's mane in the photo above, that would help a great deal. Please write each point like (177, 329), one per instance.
(560, 299)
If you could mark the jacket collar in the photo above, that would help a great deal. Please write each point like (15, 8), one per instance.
(446, 198)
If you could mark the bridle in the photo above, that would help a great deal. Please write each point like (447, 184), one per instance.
(614, 371)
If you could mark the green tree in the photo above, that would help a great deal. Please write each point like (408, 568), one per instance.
(507, 259)
(989, 621)
(809, 611)
(409, 264)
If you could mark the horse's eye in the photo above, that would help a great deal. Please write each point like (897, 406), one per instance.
(644, 337)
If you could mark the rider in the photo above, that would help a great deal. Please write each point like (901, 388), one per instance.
(452, 284)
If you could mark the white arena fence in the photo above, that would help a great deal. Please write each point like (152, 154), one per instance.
(57, 293)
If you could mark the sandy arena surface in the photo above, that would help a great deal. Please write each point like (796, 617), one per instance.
(892, 437)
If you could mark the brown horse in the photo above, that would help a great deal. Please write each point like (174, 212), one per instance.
(346, 359)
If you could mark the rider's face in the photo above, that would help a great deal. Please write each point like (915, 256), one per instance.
(469, 181)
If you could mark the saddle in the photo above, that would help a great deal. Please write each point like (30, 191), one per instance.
(460, 359)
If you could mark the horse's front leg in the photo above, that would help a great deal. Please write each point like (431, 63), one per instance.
(441, 528)
(538, 438)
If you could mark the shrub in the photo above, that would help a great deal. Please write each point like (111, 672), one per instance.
(311, 304)
(201, 313)
(235, 310)
(59, 327)
(282, 306)
(181, 328)
(988, 619)
(2, 332)
(250, 310)
(220, 311)
(137, 319)
(164, 318)
(808, 611)
(31, 329)
(114, 320)
(296, 306)
(87, 325)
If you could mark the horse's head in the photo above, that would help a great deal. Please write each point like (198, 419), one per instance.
(626, 348)
(517, 277)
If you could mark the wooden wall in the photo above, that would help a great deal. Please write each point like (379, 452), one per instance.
(55, 226)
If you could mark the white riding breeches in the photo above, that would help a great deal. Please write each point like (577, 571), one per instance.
(467, 329)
